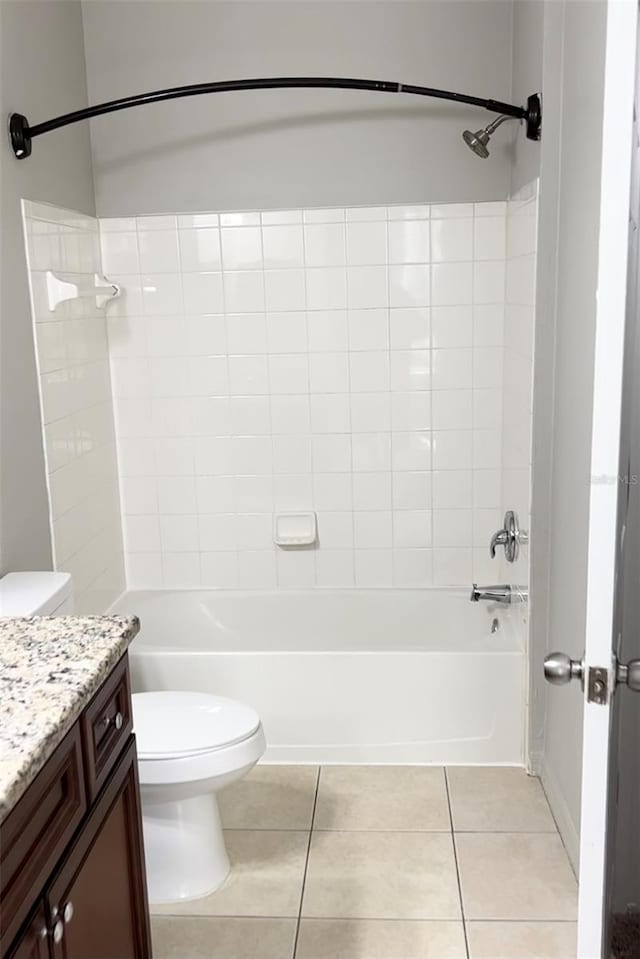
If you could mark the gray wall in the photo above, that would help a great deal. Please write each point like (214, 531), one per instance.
(281, 149)
(43, 73)
(528, 40)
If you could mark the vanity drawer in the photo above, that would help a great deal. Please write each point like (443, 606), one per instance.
(36, 832)
(106, 726)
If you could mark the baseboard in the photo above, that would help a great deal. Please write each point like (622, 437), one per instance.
(566, 826)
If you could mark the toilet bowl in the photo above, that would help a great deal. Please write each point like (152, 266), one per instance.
(190, 745)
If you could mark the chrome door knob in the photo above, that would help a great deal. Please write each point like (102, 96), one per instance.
(560, 669)
(629, 674)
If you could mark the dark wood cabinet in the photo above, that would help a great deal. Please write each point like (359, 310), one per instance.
(73, 880)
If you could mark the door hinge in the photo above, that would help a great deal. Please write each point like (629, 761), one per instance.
(598, 685)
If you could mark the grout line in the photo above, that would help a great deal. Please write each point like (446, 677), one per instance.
(455, 856)
(306, 864)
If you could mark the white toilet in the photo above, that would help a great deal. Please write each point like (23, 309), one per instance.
(190, 745)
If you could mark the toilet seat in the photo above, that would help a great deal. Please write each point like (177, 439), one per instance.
(172, 725)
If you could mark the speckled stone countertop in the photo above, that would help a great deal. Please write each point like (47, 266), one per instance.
(50, 667)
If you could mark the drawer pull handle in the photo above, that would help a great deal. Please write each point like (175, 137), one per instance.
(118, 721)
(67, 912)
(58, 931)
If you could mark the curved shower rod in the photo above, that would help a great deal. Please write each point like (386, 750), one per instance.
(22, 133)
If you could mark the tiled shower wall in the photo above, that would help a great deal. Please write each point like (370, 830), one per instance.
(77, 412)
(345, 361)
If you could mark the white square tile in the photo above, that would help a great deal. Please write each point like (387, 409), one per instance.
(452, 410)
(487, 409)
(215, 494)
(323, 215)
(162, 222)
(366, 244)
(253, 494)
(452, 489)
(489, 282)
(296, 568)
(290, 414)
(117, 224)
(332, 491)
(451, 210)
(408, 212)
(292, 454)
(119, 253)
(248, 375)
(212, 455)
(219, 570)
(137, 456)
(369, 371)
(283, 246)
(410, 370)
(451, 240)
(365, 214)
(203, 293)
(409, 241)
(411, 529)
(325, 244)
(138, 495)
(373, 567)
(180, 570)
(246, 333)
(487, 449)
(371, 452)
(240, 219)
(334, 569)
(251, 455)
(208, 375)
(411, 411)
(451, 284)
(368, 329)
(217, 532)
(144, 570)
(409, 286)
(158, 251)
(367, 287)
(176, 494)
(200, 250)
(488, 324)
(491, 208)
(452, 369)
(370, 412)
(280, 217)
(243, 292)
(453, 527)
(289, 373)
(327, 288)
(328, 331)
(286, 332)
(241, 248)
(412, 568)
(410, 329)
(372, 529)
(211, 416)
(487, 367)
(452, 449)
(187, 221)
(330, 413)
(452, 567)
(257, 569)
(179, 534)
(331, 453)
(371, 491)
(285, 290)
(489, 242)
(174, 456)
(162, 294)
(411, 490)
(335, 530)
(486, 488)
(292, 492)
(328, 373)
(451, 327)
(141, 534)
(205, 335)
(254, 531)
(411, 451)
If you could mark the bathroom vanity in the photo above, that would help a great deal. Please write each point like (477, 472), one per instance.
(72, 880)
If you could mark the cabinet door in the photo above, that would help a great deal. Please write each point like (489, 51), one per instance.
(33, 943)
(98, 899)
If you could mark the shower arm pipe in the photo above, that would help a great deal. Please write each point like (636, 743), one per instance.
(22, 133)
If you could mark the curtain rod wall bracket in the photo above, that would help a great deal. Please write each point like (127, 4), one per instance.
(22, 133)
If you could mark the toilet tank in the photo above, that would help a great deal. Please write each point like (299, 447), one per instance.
(36, 594)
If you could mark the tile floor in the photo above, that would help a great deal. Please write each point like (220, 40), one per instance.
(382, 862)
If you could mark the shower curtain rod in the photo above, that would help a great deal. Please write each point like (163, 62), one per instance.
(22, 133)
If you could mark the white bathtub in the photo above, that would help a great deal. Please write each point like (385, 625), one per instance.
(346, 676)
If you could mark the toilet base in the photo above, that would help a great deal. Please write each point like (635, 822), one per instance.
(184, 847)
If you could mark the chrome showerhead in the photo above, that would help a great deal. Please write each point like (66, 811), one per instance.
(479, 140)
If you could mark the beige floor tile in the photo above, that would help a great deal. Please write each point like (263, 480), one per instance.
(497, 799)
(267, 870)
(197, 938)
(381, 875)
(380, 939)
(515, 876)
(382, 797)
(522, 940)
(270, 797)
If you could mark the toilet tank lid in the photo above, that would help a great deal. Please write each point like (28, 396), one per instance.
(33, 594)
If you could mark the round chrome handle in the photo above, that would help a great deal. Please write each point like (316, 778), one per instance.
(44, 932)
(67, 912)
(58, 931)
(118, 721)
(560, 669)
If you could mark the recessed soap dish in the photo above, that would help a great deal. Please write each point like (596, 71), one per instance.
(295, 529)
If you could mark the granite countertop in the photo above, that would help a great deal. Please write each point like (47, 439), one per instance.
(50, 667)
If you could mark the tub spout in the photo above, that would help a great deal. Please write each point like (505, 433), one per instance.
(493, 594)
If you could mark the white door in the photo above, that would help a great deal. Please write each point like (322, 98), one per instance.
(614, 255)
